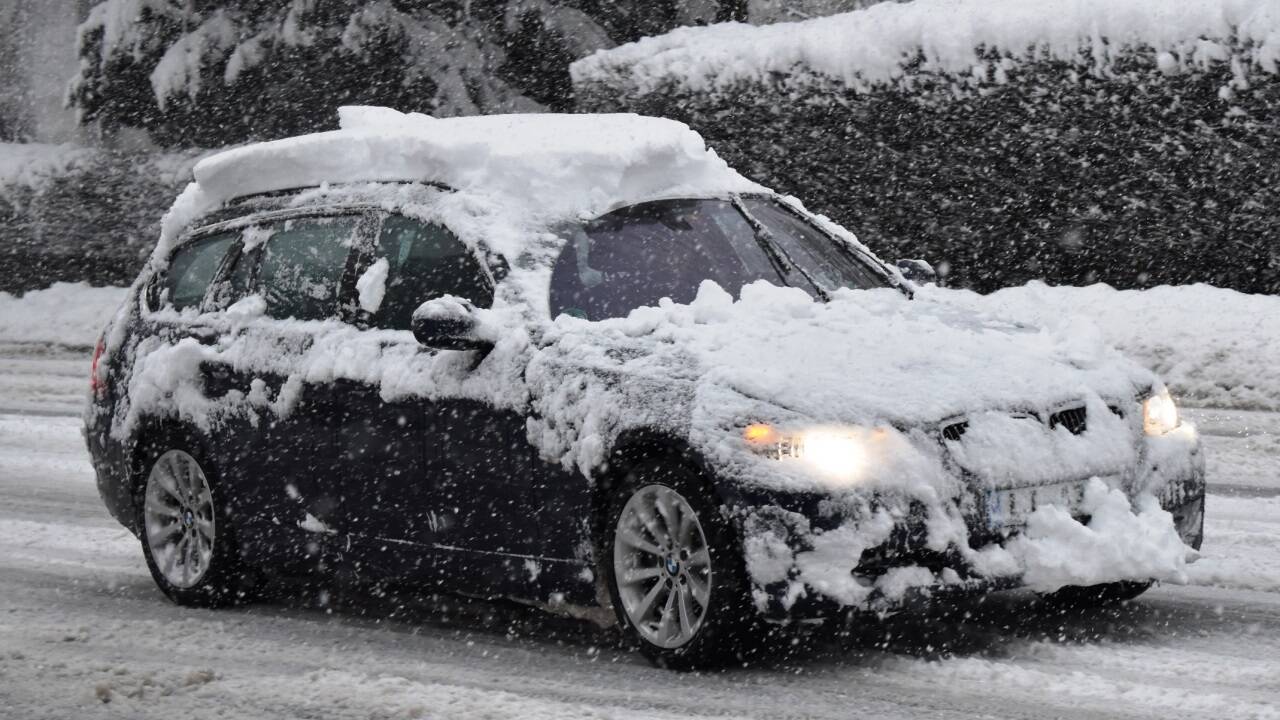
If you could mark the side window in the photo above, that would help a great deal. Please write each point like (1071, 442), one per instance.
(193, 266)
(423, 262)
(302, 265)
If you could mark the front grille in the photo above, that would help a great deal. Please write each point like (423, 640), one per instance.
(1074, 419)
(955, 431)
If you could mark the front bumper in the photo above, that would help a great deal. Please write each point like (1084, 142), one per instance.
(805, 563)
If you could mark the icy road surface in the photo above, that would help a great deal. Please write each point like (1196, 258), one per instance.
(84, 633)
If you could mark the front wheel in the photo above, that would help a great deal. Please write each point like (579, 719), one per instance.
(186, 537)
(675, 575)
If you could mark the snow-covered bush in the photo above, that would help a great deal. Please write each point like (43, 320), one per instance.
(222, 71)
(1124, 141)
(76, 214)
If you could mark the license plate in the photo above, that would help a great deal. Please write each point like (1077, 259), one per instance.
(1009, 508)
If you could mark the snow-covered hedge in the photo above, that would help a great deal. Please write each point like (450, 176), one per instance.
(78, 214)
(1122, 141)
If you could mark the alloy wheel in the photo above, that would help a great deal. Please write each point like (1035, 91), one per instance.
(179, 519)
(662, 566)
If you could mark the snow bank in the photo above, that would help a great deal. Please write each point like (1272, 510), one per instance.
(1212, 347)
(32, 164)
(71, 314)
(1241, 548)
(882, 43)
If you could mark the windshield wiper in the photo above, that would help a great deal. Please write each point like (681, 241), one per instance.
(781, 260)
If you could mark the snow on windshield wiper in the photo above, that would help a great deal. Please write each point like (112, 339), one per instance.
(778, 255)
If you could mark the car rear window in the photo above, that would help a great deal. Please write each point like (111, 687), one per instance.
(192, 267)
(302, 265)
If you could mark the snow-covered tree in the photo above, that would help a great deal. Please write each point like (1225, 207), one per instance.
(211, 72)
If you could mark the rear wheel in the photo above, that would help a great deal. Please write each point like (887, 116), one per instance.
(187, 537)
(1097, 595)
(675, 573)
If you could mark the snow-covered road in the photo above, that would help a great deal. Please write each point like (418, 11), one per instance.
(84, 633)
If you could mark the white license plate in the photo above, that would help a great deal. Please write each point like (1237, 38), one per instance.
(1010, 508)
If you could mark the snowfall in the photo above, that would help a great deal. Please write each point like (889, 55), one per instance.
(84, 632)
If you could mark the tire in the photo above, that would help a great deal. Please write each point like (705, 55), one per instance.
(672, 621)
(1103, 595)
(187, 535)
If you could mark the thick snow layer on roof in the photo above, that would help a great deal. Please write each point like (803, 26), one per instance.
(877, 44)
(518, 170)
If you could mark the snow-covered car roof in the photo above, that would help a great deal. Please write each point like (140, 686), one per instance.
(513, 173)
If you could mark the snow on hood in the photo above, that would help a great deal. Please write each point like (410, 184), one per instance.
(867, 357)
(512, 172)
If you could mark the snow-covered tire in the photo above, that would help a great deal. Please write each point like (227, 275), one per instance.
(682, 596)
(187, 535)
(1097, 595)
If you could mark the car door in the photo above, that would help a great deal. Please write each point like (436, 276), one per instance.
(434, 486)
(281, 293)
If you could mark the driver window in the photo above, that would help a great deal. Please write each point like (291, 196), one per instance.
(425, 261)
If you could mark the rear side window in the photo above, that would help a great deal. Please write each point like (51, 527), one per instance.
(425, 261)
(302, 266)
(193, 266)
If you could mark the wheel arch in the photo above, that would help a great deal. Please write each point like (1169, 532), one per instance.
(156, 431)
(646, 443)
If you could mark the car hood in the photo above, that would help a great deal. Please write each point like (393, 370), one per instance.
(870, 356)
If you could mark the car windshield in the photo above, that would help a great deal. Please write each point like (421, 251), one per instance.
(638, 255)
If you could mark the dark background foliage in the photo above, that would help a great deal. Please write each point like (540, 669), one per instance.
(1067, 172)
(96, 223)
(1128, 177)
(494, 56)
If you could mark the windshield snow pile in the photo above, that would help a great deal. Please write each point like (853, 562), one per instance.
(882, 44)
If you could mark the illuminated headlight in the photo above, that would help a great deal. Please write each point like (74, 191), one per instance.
(1159, 413)
(838, 454)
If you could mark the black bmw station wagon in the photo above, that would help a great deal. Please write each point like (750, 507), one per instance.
(578, 361)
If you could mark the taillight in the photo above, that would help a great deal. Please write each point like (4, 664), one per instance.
(96, 383)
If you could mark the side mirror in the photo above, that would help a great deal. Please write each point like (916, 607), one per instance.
(449, 323)
(919, 272)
